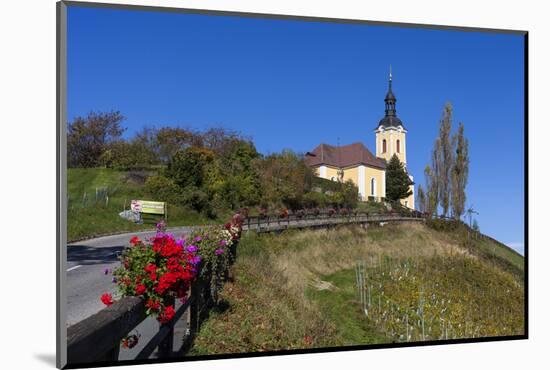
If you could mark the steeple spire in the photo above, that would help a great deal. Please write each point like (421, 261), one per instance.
(390, 99)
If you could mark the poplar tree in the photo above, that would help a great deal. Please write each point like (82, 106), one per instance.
(459, 172)
(421, 199)
(431, 190)
(443, 155)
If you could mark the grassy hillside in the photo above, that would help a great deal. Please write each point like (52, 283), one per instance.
(299, 290)
(89, 215)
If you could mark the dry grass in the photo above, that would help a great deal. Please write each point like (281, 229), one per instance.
(269, 306)
(325, 252)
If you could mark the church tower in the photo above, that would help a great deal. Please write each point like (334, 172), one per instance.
(390, 133)
(391, 138)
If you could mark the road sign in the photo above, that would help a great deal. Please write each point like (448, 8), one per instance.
(148, 206)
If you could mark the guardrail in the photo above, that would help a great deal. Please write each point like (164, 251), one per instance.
(98, 337)
(270, 223)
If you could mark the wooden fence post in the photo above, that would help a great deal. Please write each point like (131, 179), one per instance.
(166, 346)
(112, 355)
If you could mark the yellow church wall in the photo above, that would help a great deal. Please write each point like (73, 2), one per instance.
(379, 176)
(409, 201)
(352, 174)
(331, 172)
(391, 136)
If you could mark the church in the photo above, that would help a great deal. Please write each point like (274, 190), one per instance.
(356, 162)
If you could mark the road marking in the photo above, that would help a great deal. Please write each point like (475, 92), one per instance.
(74, 268)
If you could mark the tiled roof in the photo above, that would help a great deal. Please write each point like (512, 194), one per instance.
(343, 156)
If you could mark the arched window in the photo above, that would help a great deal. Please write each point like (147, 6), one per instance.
(373, 187)
(384, 146)
(398, 146)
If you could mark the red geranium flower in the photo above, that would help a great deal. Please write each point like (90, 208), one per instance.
(151, 268)
(153, 305)
(166, 281)
(167, 314)
(140, 289)
(135, 240)
(107, 299)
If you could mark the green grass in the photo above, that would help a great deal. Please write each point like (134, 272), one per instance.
(90, 217)
(297, 289)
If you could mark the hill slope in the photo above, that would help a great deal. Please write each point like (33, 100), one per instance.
(89, 215)
(299, 290)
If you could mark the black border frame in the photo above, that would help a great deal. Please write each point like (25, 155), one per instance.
(61, 35)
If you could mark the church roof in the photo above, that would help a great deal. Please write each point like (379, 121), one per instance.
(343, 156)
(390, 118)
(390, 121)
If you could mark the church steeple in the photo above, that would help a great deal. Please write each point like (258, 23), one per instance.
(390, 99)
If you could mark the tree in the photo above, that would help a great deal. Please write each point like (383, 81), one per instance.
(350, 194)
(421, 199)
(170, 140)
(397, 180)
(284, 178)
(431, 191)
(136, 153)
(443, 155)
(459, 172)
(88, 137)
(188, 167)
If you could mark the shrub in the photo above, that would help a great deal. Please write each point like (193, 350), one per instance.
(314, 199)
(188, 167)
(164, 189)
(214, 248)
(196, 198)
(442, 224)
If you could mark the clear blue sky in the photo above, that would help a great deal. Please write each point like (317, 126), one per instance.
(295, 84)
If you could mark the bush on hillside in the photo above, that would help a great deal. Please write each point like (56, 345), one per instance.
(314, 199)
(164, 189)
(443, 224)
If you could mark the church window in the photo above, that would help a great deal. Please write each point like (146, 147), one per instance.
(373, 187)
(384, 146)
(398, 146)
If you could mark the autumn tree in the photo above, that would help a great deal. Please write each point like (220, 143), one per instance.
(443, 159)
(284, 178)
(431, 191)
(169, 140)
(421, 199)
(88, 137)
(459, 172)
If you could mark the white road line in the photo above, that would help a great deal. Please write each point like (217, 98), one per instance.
(74, 268)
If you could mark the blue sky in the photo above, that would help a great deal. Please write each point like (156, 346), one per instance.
(294, 84)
